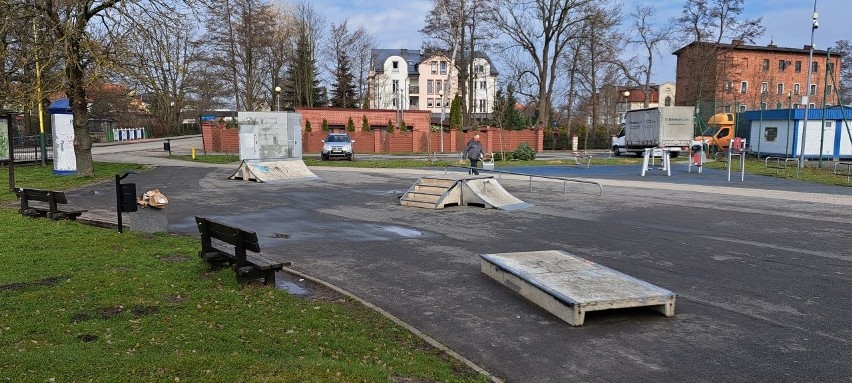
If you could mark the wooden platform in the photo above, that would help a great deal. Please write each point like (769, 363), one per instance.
(568, 286)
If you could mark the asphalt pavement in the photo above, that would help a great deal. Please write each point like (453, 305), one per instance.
(761, 269)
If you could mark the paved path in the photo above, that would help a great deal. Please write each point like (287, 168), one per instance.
(762, 274)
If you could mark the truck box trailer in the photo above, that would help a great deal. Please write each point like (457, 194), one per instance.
(662, 127)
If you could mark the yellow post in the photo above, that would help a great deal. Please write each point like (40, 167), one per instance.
(38, 96)
(193, 153)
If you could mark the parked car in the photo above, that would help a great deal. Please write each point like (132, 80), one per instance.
(337, 145)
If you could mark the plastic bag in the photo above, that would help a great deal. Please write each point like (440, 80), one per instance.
(153, 198)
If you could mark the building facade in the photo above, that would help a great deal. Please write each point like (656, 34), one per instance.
(739, 77)
(403, 79)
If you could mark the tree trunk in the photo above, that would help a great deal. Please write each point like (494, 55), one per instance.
(79, 111)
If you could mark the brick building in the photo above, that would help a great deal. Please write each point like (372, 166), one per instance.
(727, 77)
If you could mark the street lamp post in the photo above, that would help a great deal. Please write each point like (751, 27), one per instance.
(626, 94)
(441, 93)
(760, 134)
(789, 118)
(814, 26)
(278, 98)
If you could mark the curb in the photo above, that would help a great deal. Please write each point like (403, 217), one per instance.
(400, 322)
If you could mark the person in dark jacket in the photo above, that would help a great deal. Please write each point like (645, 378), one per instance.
(473, 152)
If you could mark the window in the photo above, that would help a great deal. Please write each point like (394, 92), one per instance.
(770, 133)
(798, 66)
(815, 66)
(829, 67)
(813, 89)
(811, 105)
(727, 108)
(743, 87)
(795, 105)
(393, 102)
(443, 67)
(480, 68)
(434, 67)
(742, 108)
(828, 124)
(829, 89)
(481, 106)
(395, 66)
(796, 89)
(762, 106)
(438, 87)
(780, 88)
(482, 85)
(668, 101)
(438, 103)
(766, 64)
(395, 86)
(430, 86)
(782, 65)
(729, 85)
(764, 87)
(430, 102)
(778, 105)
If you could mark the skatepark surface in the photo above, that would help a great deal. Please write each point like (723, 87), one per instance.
(761, 269)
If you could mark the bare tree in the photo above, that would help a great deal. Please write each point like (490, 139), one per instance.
(844, 88)
(541, 29)
(649, 35)
(302, 85)
(338, 62)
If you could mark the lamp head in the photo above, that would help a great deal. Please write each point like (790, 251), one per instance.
(626, 93)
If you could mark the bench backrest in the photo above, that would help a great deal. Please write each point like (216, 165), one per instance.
(42, 195)
(241, 240)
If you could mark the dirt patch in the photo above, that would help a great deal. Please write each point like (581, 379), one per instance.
(52, 281)
(80, 317)
(144, 310)
(280, 235)
(175, 298)
(86, 338)
(109, 312)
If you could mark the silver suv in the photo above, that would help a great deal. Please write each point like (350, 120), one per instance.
(337, 145)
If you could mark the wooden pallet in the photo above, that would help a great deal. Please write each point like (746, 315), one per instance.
(569, 286)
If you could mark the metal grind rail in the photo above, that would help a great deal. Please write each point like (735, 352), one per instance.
(500, 172)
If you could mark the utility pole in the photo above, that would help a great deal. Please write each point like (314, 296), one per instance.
(805, 100)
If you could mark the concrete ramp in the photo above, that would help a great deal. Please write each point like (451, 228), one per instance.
(453, 190)
(568, 286)
(273, 171)
(489, 192)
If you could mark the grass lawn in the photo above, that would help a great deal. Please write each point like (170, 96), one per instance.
(80, 303)
(42, 177)
(810, 174)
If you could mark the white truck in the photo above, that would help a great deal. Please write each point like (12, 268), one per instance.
(661, 127)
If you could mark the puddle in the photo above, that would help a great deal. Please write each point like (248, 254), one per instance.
(291, 288)
(291, 284)
(403, 231)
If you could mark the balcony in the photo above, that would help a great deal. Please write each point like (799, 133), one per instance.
(414, 89)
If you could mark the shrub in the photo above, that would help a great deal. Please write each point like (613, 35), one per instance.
(350, 125)
(524, 152)
(391, 127)
(324, 125)
(365, 125)
(403, 127)
(308, 126)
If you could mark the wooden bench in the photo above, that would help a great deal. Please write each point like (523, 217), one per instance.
(53, 200)
(247, 266)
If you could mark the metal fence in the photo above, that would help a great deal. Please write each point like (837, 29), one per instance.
(28, 148)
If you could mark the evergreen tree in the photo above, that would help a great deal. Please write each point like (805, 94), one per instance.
(343, 89)
(365, 125)
(301, 87)
(308, 126)
(324, 125)
(505, 115)
(403, 127)
(391, 127)
(456, 114)
(350, 125)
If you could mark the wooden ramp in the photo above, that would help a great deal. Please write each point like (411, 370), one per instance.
(273, 171)
(568, 286)
(439, 192)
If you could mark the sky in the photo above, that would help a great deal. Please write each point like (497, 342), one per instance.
(788, 22)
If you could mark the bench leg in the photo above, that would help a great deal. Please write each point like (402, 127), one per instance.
(269, 277)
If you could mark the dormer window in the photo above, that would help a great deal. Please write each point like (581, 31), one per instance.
(395, 65)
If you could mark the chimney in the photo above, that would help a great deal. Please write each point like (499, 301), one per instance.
(806, 47)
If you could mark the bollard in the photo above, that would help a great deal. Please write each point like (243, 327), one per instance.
(167, 147)
(193, 153)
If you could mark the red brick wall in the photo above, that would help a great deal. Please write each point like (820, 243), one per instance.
(220, 139)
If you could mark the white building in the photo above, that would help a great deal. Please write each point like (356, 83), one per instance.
(408, 80)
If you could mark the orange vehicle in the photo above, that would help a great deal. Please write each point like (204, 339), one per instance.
(720, 131)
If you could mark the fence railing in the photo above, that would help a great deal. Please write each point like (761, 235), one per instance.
(531, 176)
